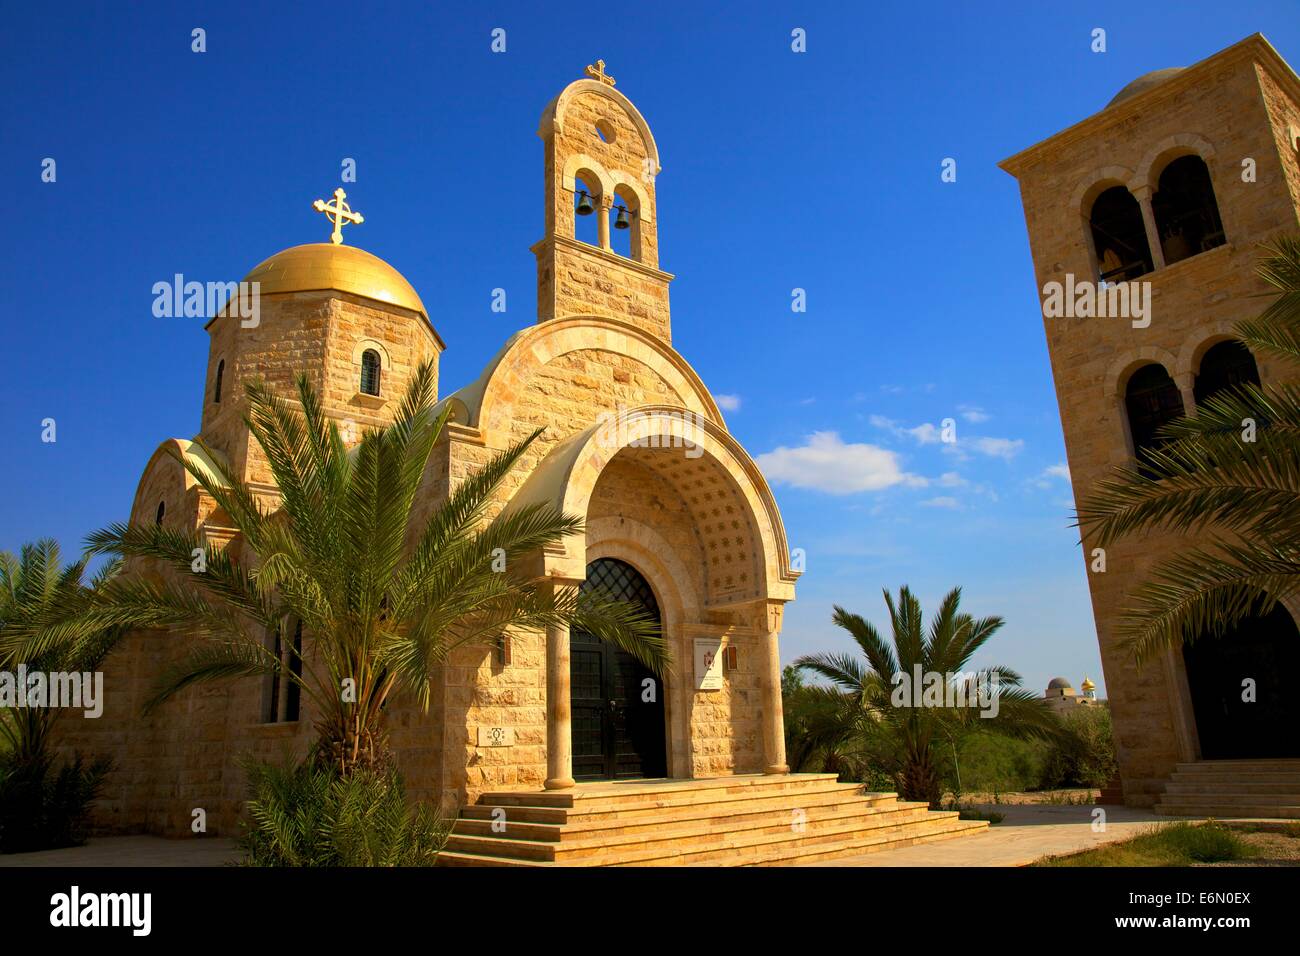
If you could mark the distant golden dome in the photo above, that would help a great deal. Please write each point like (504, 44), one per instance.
(323, 265)
(1087, 684)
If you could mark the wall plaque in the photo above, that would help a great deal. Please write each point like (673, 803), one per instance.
(496, 736)
(708, 663)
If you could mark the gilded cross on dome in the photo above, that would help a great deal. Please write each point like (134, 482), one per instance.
(597, 72)
(339, 213)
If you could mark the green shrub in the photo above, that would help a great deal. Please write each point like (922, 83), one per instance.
(1084, 756)
(1210, 843)
(310, 815)
(45, 809)
(991, 763)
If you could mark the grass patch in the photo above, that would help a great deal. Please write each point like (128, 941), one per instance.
(1171, 844)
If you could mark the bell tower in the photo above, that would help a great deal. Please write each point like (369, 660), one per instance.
(1167, 190)
(601, 161)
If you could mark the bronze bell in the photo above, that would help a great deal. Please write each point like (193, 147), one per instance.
(585, 206)
(621, 222)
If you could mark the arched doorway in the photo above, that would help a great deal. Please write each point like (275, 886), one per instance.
(617, 703)
(1265, 648)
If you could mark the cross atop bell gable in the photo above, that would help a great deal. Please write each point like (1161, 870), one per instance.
(597, 72)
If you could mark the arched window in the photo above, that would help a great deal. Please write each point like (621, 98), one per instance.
(1187, 217)
(370, 372)
(625, 236)
(1224, 365)
(1119, 236)
(1152, 399)
(216, 391)
(587, 211)
(160, 513)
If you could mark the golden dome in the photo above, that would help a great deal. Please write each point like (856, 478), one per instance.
(1087, 684)
(323, 265)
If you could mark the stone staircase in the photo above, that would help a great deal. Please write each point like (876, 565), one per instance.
(1233, 788)
(751, 820)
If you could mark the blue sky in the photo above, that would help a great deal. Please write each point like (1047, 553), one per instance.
(817, 171)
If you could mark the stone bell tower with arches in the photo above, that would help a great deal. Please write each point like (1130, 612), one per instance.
(1173, 184)
(601, 160)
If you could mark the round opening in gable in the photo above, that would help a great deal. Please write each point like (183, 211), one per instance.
(605, 130)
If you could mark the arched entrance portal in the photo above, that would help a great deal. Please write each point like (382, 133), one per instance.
(617, 732)
(1266, 649)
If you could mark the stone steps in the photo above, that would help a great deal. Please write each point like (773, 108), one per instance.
(735, 813)
(735, 821)
(1233, 788)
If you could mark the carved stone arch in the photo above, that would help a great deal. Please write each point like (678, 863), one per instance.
(644, 207)
(1095, 183)
(374, 345)
(581, 162)
(567, 478)
(490, 401)
(644, 547)
(1122, 368)
(553, 117)
(1198, 343)
(1162, 153)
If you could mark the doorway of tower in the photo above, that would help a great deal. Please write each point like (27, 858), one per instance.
(617, 704)
(1264, 649)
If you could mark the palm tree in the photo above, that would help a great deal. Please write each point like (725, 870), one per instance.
(41, 807)
(1213, 475)
(382, 595)
(36, 589)
(866, 716)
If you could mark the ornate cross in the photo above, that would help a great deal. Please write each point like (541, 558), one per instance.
(338, 213)
(597, 72)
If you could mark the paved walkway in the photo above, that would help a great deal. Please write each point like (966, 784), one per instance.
(132, 851)
(1029, 832)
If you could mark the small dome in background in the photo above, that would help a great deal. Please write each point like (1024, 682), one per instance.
(1058, 683)
(1145, 82)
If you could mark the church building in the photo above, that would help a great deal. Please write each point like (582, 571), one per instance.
(1173, 185)
(677, 517)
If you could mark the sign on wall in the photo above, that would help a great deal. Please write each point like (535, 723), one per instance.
(496, 736)
(708, 663)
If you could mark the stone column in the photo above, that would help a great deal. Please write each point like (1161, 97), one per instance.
(602, 221)
(559, 719)
(773, 718)
(1143, 196)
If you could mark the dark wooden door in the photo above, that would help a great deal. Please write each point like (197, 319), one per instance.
(1267, 650)
(617, 702)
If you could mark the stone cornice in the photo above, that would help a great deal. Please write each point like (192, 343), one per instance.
(1253, 49)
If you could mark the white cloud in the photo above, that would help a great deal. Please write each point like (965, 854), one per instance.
(926, 434)
(973, 413)
(1004, 448)
(950, 479)
(826, 463)
(728, 403)
(1057, 471)
(943, 501)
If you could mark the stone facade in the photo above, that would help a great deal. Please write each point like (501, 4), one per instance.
(668, 491)
(1238, 105)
